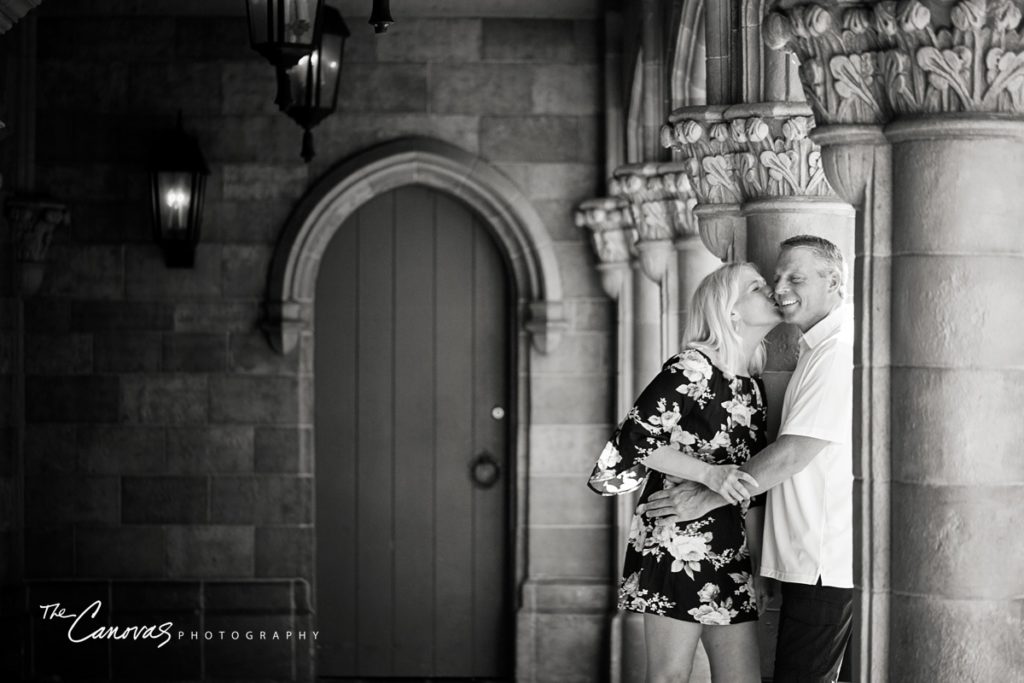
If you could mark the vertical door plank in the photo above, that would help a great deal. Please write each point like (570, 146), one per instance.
(414, 432)
(336, 495)
(490, 389)
(411, 356)
(454, 394)
(375, 444)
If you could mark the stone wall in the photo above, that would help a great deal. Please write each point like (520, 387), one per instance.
(165, 442)
(10, 553)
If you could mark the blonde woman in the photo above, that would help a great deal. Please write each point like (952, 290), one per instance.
(700, 418)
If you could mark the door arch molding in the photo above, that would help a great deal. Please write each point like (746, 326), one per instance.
(521, 236)
(425, 161)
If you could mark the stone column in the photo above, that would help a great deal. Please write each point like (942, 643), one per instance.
(670, 254)
(669, 247)
(940, 344)
(655, 92)
(641, 186)
(699, 134)
(721, 28)
(612, 235)
(957, 357)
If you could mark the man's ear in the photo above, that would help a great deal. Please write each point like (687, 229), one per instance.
(833, 282)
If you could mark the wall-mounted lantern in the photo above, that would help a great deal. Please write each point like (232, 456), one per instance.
(178, 175)
(284, 31)
(313, 82)
(380, 16)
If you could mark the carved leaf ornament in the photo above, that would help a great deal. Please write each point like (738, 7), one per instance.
(719, 183)
(750, 158)
(660, 200)
(611, 228)
(866, 63)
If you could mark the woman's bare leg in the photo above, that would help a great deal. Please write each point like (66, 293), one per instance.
(670, 645)
(733, 652)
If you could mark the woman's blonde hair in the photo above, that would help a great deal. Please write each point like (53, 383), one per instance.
(708, 322)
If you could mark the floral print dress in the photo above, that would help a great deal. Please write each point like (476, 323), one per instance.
(698, 570)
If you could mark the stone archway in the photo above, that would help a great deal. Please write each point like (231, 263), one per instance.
(518, 230)
(439, 165)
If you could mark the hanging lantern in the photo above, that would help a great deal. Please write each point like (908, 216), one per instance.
(313, 82)
(178, 180)
(380, 16)
(283, 31)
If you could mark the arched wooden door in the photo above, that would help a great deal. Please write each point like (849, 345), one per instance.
(412, 376)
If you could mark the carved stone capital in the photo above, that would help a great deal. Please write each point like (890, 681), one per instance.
(33, 222)
(749, 152)
(708, 149)
(609, 222)
(867, 62)
(660, 198)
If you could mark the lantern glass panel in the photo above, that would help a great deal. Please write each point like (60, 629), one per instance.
(330, 71)
(283, 30)
(259, 21)
(175, 198)
(299, 21)
(314, 80)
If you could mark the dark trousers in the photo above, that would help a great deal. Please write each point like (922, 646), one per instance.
(814, 629)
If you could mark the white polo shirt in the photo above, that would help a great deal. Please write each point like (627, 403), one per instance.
(808, 529)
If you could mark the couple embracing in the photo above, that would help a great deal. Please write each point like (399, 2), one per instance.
(725, 519)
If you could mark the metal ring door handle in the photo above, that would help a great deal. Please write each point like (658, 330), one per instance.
(485, 471)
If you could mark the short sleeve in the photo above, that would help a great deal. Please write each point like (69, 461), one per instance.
(821, 406)
(653, 421)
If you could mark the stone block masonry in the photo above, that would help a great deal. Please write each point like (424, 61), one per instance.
(168, 450)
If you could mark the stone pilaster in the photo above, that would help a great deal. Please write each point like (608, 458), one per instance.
(661, 200)
(609, 222)
(659, 197)
(923, 113)
(649, 201)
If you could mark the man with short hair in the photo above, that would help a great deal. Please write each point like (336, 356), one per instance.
(807, 471)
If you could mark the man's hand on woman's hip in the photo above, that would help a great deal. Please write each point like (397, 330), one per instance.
(685, 501)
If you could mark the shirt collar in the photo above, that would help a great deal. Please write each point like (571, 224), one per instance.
(828, 326)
